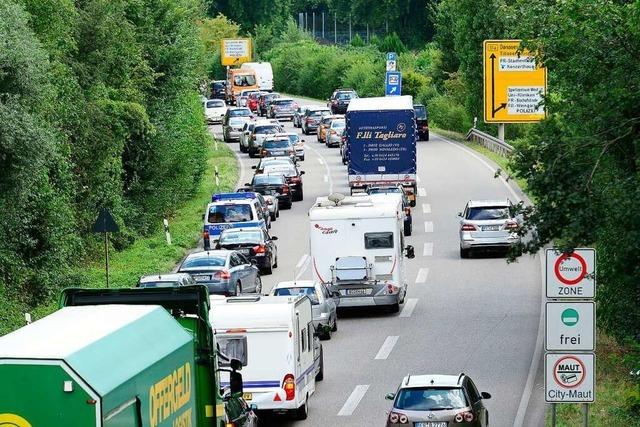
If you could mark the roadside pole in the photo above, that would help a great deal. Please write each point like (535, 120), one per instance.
(323, 25)
(335, 28)
(553, 415)
(501, 131)
(105, 224)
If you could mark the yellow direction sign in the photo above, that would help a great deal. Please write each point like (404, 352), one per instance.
(513, 83)
(235, 51)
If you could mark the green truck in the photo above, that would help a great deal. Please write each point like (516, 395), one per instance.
(119, 358)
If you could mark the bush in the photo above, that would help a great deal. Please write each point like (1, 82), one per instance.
(446, 113)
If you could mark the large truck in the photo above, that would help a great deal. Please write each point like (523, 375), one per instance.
(357, 249)
(117, 357)
(381, 143)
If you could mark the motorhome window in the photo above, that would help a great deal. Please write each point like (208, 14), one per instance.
(233, 348)
(378, 240)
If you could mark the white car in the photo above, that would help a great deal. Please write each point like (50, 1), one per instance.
(214, 110)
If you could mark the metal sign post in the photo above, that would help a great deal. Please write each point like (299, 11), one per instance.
(105, 224)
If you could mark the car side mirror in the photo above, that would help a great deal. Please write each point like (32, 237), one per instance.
(410, 252)
(485, 395)
(247, 184)
(301, 172)
(254, 167)
(235, 382)
(460, 214)
(203, 215)
(274, 237)
(390, 396)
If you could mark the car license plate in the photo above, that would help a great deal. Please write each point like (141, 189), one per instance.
(202, 278)
(278, 153)
(490, 228)
(244, 251)
(247, 396)
(358, 291)
(432, 424)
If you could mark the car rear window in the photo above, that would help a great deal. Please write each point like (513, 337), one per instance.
(318, 113)
(159, 284)
(488, 213)
(236, 121)
(215, 104)
(277, 144)
(327, 120)
(430, 399)
(421, 111)
(240, 237)
(268, 129)
(283, 102)
(230, 212)
(268, 179)
(345, 95)
(210, 261)
(378, 240)
(294, 138)
(280, 169)
(309, 291)
(240, 112)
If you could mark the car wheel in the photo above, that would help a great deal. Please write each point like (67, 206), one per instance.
(273, 216)
(251, 154)
(302, 159)
(300, 196)
(335, 325)
(408, 228)
(275, 264)
(427, 137)
(464, 253)
(326, 333)
(243, 149)
(278, 212)
(320, 375)
(268, 269)
(258, 284)
(238, 288)
(302, 412)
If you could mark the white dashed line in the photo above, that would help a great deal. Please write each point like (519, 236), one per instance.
(423, 273)
(320, 161)
(409, 306)
(354, 399)
(428, 249)
(428, 226)
(326, 178)
(303, 259)
(302, 265)
(422, 192)
(387, 347)
(426, 208)
(418, 178)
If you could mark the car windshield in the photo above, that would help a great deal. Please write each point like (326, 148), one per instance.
(201, 261)
(240, 237)
(421, 111)
(342, 96)
(384, 190)
(268, 129)
(230, 212)
(244, 80)
(310, 292)
(240, 112)
(488, 213)
(294, 138)
(268, 180)
(215, 104)
(319, 113)
(281, 143)
(430, 399)
(282, 102)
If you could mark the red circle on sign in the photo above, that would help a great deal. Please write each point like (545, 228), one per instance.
(583, 264)
(560, 383)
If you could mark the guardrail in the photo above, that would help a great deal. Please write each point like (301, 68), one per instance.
(489, 141)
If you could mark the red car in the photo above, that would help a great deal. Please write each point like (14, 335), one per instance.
(252, 101)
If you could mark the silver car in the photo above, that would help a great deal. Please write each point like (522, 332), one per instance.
(487, 224)
(233, 122)
(323, 304)
(166, 280)
(282, 108)
(333, 136)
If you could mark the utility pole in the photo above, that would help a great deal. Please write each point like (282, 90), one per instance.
(313, 24)
(349, 28)
(335, 28)
(323, 25)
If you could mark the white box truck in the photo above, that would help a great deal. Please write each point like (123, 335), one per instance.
(273, 337)
(263, 71)
(357, 248)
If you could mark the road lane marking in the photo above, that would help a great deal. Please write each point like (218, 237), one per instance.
(418, 178)
(409, 306)
(320, 160)
(323, 162)
(387, 347)
(422, 192)
(302, 260)
(354, 399)
(423, 273)
(428, 226)
(426, 208)
(428, 249)
(302, 265)
(326, 178)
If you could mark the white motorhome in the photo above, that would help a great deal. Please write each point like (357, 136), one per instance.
(264, 72)
(358, 249)
(273, 337)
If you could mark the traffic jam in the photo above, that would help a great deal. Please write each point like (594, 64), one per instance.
(237, 347)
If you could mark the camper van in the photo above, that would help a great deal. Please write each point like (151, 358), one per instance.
(274, 338)
(238, 80)
(263, 71)
(358, 249)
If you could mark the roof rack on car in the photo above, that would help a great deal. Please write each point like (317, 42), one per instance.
(408, 378)
(460, 377)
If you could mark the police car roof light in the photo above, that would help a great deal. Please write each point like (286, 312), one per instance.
(233, 196)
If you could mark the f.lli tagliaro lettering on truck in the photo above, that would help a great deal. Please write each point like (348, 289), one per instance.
(384, 136)
(169, 395)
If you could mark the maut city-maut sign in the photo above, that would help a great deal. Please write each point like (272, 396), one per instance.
(569, 377)
(571, 275)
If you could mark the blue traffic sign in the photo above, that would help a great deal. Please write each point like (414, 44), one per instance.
(391, 56)
(393, 83)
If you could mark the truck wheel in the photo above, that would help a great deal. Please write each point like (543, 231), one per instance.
(464, 253)
(302, 412)
(320, 375)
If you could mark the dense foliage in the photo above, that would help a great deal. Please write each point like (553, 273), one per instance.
(98, 108)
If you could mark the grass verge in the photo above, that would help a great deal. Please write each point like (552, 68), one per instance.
(149, 254)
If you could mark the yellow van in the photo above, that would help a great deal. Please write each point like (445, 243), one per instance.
(239, 80)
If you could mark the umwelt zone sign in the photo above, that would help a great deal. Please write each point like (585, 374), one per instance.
(571, 275)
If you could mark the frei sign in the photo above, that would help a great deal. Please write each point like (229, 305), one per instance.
(235, 51)
(570, 326)
(569, 377)
(571, 275)
(514, 83)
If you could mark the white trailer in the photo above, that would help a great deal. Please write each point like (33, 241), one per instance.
(264, 73)
(273, 337)
(358, 249)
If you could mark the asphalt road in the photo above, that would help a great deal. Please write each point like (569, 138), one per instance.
(479, 316)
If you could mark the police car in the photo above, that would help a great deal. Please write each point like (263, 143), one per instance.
(230, 210)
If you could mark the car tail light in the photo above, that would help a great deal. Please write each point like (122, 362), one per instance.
(269, 201)
(396, 418)
(459, 418)
(468, 227)
(285, 189)
(289, 386)
(230, 424)
(295, 179)
(403, 419)
(309, 120)
(333, 132)
(464, 416)
(263, 152)
(391, 289)
(260, 249)
(407, 211)
(511, 225)
(468, 416)
(205, 235)
(223, 274)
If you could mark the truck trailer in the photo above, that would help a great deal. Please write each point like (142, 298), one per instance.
(381, 143)
(111, 358)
